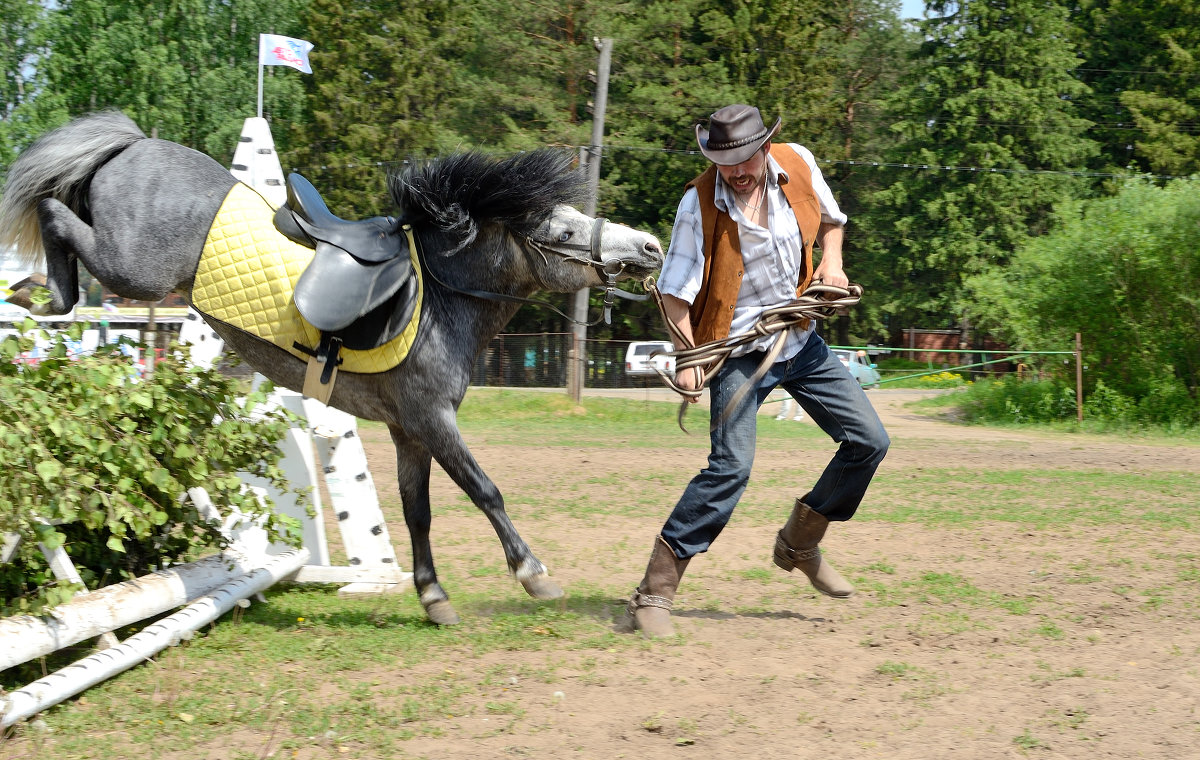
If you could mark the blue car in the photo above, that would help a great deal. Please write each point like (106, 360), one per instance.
(860, 366)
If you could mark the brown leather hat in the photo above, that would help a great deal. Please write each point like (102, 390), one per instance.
(735, 135)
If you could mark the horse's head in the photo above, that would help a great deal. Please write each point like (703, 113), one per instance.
(476, 200)
(570, 238)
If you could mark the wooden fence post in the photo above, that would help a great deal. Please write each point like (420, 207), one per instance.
(1078, 377)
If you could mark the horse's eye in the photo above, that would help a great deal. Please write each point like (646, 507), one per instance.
(564, 237)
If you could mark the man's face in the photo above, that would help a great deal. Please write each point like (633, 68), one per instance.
(745, 176)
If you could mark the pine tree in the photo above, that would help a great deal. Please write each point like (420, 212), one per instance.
(869, 49)
(379, 98)
(989, 140)
(1143, 60)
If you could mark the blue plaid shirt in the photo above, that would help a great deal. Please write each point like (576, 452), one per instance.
(772, 257)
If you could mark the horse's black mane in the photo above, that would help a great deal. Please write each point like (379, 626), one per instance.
(458, 193)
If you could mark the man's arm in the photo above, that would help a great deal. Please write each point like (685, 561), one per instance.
(676, 311)
(829, 271)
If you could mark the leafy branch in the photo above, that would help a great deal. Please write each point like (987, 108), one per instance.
(98, 460)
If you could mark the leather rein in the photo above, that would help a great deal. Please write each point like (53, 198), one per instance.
(610, 271)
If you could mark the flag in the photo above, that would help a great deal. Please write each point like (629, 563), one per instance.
(277, 50)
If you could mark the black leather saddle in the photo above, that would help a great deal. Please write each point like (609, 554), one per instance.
(359, 289)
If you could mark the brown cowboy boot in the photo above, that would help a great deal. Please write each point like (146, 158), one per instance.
(649, 608)
(796, 547)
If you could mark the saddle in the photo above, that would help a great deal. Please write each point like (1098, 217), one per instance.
(359, 290)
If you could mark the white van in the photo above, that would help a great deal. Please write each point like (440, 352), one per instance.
(639, 362)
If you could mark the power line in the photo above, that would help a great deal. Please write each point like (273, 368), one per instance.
(917, 165)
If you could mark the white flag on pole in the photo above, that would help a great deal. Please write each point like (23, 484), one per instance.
(277, 50)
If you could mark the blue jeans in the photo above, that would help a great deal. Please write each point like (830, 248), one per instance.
(829, 396)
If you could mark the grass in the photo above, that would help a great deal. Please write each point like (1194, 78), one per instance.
(243, 676)
(1095, 497)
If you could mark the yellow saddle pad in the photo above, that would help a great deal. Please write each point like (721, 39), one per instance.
(248, 272)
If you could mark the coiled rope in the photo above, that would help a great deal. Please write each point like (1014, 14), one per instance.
(818, 301)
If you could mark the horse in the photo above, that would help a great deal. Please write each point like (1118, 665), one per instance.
(136, 212)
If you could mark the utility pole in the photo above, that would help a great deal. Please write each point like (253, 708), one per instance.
(578, 367)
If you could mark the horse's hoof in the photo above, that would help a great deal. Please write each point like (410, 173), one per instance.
(442, 612)
(541, 587)
(22, 292)
(20, 298)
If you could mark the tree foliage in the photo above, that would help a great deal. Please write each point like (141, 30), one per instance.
(21, 32)
(193, 83)
(381, 95)
(948, 143)
(1125, 272)
(989, 125)
(1143, 61)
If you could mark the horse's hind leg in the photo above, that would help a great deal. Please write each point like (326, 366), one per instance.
(412, 475)
(65, 238)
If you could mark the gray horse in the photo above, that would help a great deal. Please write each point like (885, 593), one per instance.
(136, 212)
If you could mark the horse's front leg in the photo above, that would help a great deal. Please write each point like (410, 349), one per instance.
(64, 237)
(412, 476)
(450, 451)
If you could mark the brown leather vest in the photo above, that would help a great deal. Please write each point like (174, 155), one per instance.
(711, 313)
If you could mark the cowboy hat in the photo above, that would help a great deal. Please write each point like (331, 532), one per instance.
(736, 133)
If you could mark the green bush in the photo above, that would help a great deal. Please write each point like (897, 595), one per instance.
(1167, 405)
(97, 460)
(1164, 403)
(1109, 404)
(1123, 271)
(1017, 401)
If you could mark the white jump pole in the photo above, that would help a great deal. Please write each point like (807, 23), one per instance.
(98, 612)
(63, 684)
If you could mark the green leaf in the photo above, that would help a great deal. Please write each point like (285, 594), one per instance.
(159, 477)
(48, 470)
(76, 435)
(52, 539)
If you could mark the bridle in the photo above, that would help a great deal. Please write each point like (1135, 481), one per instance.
(565, 249)
(608, 270)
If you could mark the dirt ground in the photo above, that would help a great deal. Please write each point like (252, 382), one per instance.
(1076, 642)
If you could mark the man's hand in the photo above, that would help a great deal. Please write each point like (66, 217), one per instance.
(831, 276)
(690, 380)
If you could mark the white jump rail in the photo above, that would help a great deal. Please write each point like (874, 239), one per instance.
(26, 637)
(63, 684)
(341, 463)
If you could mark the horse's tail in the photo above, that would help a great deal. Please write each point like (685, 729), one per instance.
(60, 165)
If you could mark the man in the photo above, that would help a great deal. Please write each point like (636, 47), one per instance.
(742, 243)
